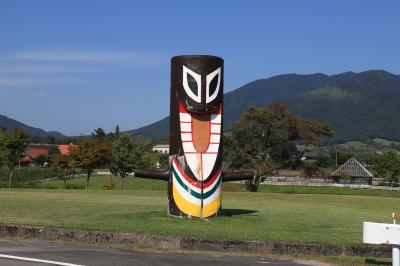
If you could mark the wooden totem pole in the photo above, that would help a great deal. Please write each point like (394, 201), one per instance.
(195, 174)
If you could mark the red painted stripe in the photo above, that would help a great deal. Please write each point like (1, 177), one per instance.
(220, 109)
(209, 182)
(190, 180)
(195, 183)
(182, 108)
(195, 152)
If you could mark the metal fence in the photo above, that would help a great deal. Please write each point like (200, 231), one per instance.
(320, 182)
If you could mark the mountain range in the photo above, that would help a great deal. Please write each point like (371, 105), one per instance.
(357, 106)
(10, 123)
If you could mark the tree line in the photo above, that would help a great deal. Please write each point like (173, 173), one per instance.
(263, 139)
(114, 151)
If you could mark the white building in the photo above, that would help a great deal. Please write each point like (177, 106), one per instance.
(163, 148)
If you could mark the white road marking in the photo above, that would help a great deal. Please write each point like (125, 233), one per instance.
(263, 262)
(37, 260)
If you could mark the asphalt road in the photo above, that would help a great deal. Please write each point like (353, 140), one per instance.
(22, 252)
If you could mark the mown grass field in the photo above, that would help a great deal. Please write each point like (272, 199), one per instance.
(286, 216)
(97, 183)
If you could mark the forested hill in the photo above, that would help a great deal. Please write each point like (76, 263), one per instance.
(363, 107)
(10, 124)
(356, 105)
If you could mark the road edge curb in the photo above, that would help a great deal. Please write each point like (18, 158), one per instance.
(192, 244)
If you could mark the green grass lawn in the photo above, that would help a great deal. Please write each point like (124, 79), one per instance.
(321, 218)
(291, 189)
(385, 143)
(97, 182)
(356, 145)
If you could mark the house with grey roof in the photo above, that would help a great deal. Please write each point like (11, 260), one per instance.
(354, 171)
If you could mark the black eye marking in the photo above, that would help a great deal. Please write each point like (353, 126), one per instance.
(192, 84)
(213, 82)
(213, 85)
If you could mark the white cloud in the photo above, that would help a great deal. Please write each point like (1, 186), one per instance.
(112, 57)
(27, 82)
(16, 69)
(20, 82)
(55, 67)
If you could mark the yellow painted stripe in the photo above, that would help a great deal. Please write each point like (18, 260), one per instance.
(195, 210)
(184, 205)
(213, 207)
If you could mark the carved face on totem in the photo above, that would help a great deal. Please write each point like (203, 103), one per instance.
(196, 130)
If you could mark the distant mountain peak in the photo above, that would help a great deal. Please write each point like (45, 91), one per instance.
(356, 105)
(10, 124)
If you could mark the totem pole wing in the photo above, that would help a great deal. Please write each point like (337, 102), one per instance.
(238, 175)
(153, 174)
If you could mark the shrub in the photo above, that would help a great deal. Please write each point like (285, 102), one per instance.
(26, 177)
(109, 184)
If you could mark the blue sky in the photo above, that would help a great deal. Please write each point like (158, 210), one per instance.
(73, 66)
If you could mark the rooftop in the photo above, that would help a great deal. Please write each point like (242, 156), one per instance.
(353, 168)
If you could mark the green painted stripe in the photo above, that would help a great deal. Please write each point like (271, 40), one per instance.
(212, 191)
(192, 192)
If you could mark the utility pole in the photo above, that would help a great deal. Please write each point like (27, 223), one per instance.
(335, 152)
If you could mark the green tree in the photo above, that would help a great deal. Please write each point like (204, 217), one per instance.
(89, 154)
(141, 151)
(123, 159)
(117, 133)
(42, 159)
(12, 146)
(99, 134)
(253, 139)
(112, 136)
(285, 155)
(126, 156)
(344, 156)
(163, 160)
(53, 150)
(50, 140)
(388, 167)
(63, 165)
(310, 168)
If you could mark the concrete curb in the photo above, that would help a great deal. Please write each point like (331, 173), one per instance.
(184, 243)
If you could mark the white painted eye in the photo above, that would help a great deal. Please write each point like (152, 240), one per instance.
(192, 84)
(213, 83)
